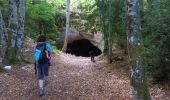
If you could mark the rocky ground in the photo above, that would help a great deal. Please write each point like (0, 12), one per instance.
(74, 78)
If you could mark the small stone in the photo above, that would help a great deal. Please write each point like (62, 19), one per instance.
(8, 68)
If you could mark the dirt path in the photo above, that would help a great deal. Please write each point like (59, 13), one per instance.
(77, 78)
(72, 78)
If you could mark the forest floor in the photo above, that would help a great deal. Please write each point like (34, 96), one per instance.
(74, 78)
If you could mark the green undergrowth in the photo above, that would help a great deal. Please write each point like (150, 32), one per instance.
(1, 69)
(28, 40)
(56, 50)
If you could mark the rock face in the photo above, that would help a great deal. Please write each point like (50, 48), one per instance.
(96, 39)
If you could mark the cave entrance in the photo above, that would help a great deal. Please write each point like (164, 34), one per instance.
(82, 48)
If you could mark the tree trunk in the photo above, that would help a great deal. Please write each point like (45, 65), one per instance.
(135, 50)
(105, 51)
(67, 25)
(110, 32)
(11, 52)
(106, 26)
(20, 36)
(2, 39)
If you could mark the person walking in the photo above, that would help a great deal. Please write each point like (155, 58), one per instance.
(42, 57)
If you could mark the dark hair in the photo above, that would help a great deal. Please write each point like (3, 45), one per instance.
(41, 38)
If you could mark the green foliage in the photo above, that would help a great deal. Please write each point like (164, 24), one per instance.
(57, 50)
(60, 20)
(84, 14)
(112, 22)
(42, 12)
(53, 38)
(1, 69)
(44, 17)
(156, 31)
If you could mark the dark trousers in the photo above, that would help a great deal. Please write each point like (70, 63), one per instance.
(42, 70)
(92, 58)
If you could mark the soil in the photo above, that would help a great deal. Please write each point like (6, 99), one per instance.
(74, 78)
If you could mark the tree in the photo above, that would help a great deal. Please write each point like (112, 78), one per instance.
(15, 31)
(20, 35)
(11, 52)
(67, 25)
(102, 6)
(110, 32)
(106, 19)
(135, 50)
(2, 39)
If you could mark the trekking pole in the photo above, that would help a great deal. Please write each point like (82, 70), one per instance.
(35, 67)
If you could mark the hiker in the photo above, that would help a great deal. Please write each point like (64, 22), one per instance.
(42, 57)
(91, 53)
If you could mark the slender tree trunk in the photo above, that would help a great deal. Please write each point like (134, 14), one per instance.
(67, 26)
(135, 50)
(20, 36)
(104, 17)
(2, 39)
(12, 32)
(103, 20)
(110, 32)
(104, 33)
(105, 51)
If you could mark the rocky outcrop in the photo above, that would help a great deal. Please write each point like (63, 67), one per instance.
(95, 38)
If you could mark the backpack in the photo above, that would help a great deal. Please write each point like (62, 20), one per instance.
(41, 53)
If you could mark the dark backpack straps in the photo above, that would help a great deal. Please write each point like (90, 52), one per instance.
(45, 46)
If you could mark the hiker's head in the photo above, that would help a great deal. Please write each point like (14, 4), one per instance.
(41, 38)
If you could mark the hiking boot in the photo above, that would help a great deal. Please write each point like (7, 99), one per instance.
(45, 82)
(41, 92)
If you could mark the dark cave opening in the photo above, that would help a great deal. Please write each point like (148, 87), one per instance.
(82, 48)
